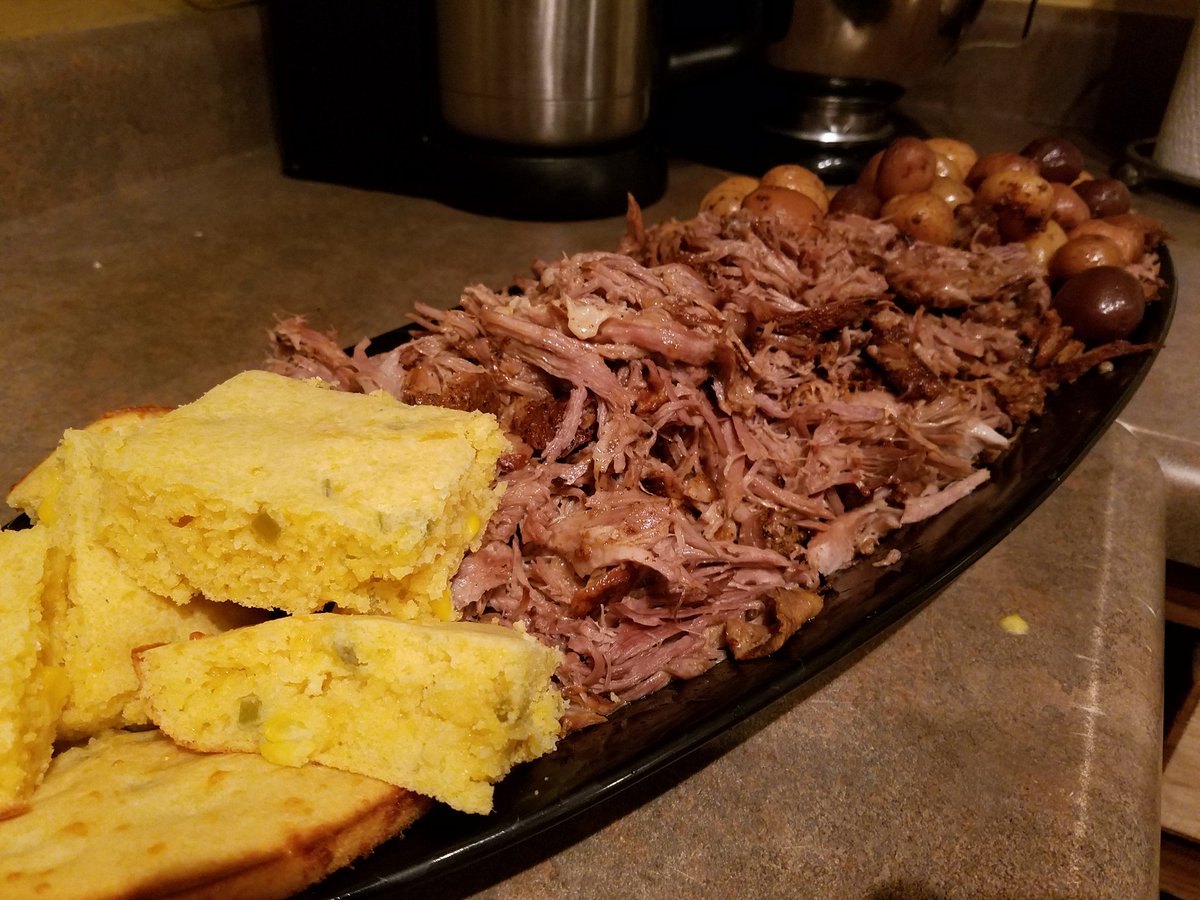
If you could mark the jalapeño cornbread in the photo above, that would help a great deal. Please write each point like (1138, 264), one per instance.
(107, 614)
(278, 493)
(442, 709)
(32, 687)
(133, 815)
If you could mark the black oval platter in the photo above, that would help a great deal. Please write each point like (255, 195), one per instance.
(593, 766)
(647, 737)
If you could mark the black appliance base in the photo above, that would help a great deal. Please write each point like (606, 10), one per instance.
(537, 185)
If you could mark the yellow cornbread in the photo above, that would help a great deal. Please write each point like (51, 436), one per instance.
(277, 493)
(107, 613)
(36, 494)
(32, 688)
(443, 709)
(134, 815)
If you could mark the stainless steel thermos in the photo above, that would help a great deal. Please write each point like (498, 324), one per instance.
(544, 73)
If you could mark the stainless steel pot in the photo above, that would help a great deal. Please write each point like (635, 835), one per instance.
(895, 41)
(544, 73)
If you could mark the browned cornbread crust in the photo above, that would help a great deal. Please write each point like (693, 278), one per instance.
(306, 862)
(133, 815)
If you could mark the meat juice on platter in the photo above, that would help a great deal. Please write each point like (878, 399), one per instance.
(715, 418)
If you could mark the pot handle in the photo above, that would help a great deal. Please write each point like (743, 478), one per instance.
(1009, 44)
(727, 46)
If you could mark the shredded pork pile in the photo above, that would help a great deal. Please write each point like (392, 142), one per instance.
(714, 417)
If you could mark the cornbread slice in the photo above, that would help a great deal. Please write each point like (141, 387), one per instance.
(107, 613)
(133, 815)
(278, 493)
(442, 709)
(36, 494)
(32, 687)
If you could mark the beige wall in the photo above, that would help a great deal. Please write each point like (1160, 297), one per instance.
(31, 18)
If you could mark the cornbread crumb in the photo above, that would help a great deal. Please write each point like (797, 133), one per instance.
(133, 815)
(32, 687)
(1014, 624)
(444, 710)
(278, 493)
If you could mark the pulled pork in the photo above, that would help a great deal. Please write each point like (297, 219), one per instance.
(711, 419)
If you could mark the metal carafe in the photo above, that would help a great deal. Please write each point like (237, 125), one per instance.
(544, 73)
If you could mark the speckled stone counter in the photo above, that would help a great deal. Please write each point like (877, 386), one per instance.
(951, 759)
(1165, 414)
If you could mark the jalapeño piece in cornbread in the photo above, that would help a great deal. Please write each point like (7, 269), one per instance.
(278, 493)
(443, 709)
(32, 686)
(107, 613)
(133, 815)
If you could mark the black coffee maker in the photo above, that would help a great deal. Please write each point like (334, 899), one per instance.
(529, 109)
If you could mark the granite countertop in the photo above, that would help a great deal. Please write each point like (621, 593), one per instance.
(1158, 414)
(951, 758)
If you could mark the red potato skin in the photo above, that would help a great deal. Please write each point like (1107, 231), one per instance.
(908, 166)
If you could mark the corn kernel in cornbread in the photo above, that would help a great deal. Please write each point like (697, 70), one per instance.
(32, 687)
(107, 613)
(134, 815)
(443, 709)
(277, 493)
